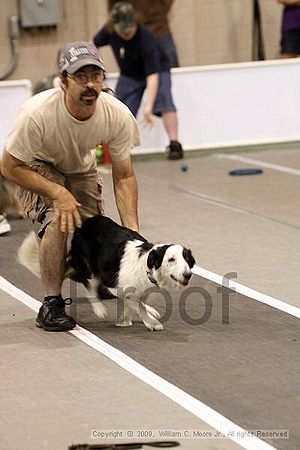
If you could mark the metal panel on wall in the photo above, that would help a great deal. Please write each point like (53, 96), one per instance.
(39, 13)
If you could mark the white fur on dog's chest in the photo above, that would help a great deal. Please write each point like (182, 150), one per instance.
(133, 268)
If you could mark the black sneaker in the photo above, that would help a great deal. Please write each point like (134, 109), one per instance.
(175, 150)
(52, 315)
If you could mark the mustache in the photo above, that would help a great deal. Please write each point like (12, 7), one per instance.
(90, 91)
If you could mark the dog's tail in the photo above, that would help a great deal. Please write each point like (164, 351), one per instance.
(28, 254)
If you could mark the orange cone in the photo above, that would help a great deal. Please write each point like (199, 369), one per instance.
(106, 159)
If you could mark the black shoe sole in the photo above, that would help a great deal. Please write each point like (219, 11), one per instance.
(49, 328)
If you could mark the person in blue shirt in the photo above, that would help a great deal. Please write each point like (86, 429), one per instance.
(142, 67)
(290, 29)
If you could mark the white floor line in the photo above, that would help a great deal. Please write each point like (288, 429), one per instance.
(189, 403)
(15, 292)
(277, 167)
(248, 292)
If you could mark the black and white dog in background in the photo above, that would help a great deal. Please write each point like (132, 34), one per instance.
(117, 257)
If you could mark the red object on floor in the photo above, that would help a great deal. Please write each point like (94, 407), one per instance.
(106, 159)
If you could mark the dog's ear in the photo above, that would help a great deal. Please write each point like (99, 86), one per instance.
(187, 254)
(156, 256)
(151, 259)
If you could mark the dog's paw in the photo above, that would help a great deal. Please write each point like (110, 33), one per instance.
(152, 311)
(154, 326)
(100, 310)
(124, 324)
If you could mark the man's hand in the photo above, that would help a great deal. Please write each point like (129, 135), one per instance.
(66, 211)
(148, 117)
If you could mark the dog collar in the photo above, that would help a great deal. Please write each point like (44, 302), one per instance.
(150, 277)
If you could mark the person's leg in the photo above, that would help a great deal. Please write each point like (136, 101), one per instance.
(52, 251)
(52, 259)
(170, 122)
(52, 315)
(164, 106)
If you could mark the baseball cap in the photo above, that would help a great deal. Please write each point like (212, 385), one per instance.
(76, 55)
(122, 14)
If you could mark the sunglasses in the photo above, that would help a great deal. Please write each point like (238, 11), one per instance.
(133, 445)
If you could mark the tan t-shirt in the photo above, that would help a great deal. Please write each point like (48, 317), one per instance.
(45, 130)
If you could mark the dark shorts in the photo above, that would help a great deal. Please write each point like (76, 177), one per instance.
(86, 188)
(167, 46)
(130, 91)
(290, 41)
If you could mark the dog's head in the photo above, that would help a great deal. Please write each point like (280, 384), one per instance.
(170, 265)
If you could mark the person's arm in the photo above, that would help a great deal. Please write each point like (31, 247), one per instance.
(65, 205)
(150, 55)
(101, 38)
(168, 4)
(289, 2)
(151, 92)
(126, 193)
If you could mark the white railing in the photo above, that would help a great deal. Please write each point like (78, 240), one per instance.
(231, 105)
(12, 95)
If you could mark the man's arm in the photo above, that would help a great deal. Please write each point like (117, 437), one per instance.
(101, 38)
(126, 193)
(152, 82)
(168, 4)
(65, 205)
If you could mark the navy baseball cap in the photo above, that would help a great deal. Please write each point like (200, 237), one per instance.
(76, 55)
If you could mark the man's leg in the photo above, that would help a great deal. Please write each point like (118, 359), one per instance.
(170, 123)
(164, 106)
(52, 252)
(52, 259)
(52, 315)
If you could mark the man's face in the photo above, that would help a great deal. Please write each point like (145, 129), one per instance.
(85, 85)
(127, 33)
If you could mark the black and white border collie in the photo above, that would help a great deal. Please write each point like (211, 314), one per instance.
(104, 253)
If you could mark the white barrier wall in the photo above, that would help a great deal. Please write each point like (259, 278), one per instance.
(232, 105)
(12, 95)
(218, 106)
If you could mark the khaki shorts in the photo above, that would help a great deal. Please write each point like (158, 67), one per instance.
(86, 188)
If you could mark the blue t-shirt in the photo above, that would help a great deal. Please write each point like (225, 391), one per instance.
(138, 57)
